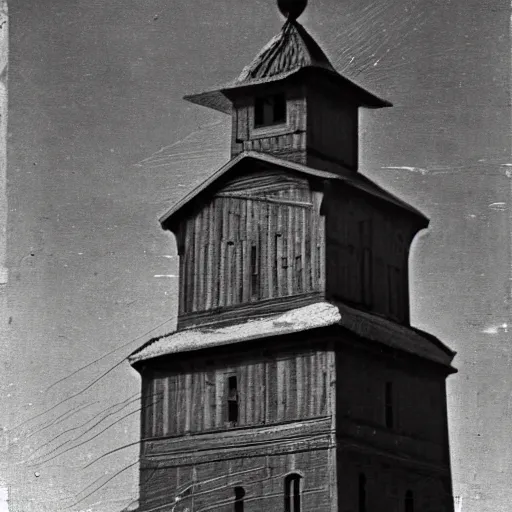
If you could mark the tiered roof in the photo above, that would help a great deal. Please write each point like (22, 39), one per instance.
(290, 52)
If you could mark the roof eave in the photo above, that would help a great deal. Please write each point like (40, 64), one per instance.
(321, 315)
(220, 99)
(166, 219)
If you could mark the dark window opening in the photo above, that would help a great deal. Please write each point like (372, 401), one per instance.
(292, 502)
(389, 405)
(318, 263)
(276, 264)
(233, 400)
(255, 278)
(298, 272)
(241, 265)
(270, 110)
(409, 502)
(362, 493)
(239, 499)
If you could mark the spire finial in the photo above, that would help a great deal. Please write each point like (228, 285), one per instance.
(292, 9)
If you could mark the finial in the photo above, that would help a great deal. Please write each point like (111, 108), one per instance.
(292, 9)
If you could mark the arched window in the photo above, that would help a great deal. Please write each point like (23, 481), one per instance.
(409, 502)
(239, 499)
(292, 493)
(362, 493)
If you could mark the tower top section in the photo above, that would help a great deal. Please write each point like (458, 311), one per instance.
(290, 50)
(291, 54)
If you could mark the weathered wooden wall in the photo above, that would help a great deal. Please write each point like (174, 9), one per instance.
(262, 477)
(418, 401)
(332, 128)
(388, 479)
(192, 397)
(287, 140)
(260, 238)
(367, 254)
(286, 404)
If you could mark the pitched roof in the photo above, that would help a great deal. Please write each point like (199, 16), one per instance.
(349, 178)
(291, 51)
(319, 315)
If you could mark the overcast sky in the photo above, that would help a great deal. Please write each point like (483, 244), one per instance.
(101, 143)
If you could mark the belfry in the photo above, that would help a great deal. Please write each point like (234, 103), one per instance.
(294, 381)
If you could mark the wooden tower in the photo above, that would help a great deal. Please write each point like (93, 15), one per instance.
(294, 381)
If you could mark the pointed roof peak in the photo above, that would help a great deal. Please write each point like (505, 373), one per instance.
(293, 48)
(288, 53)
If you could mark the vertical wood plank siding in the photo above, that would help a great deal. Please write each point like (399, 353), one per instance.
(324, 113)
(367, 257)
(286, 141)
(292, 387)
(212, 484)
(259, 238)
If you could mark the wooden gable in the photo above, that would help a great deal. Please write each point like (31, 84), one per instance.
(256, 242)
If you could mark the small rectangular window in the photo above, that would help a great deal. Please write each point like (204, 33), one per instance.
(233, 400)
(270, 110)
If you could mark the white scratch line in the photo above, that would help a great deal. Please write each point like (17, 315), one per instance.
(421, 170)
(495, 329)
(165, 275)
(498, 206)
(181, 141)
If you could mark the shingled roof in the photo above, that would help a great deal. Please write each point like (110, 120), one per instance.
(291, 51)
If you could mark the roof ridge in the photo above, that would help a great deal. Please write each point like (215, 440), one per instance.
(292, 48)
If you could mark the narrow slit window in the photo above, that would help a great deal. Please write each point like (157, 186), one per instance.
(292, 493)
(388, 405)
(318, 263)
(409, 501)
(241, 266)
(255, 278)
(275, 270)
(362, 493)
(239, 499)
(298, 272)
(233, 405)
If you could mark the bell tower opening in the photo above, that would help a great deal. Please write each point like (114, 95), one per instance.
(269, 110)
